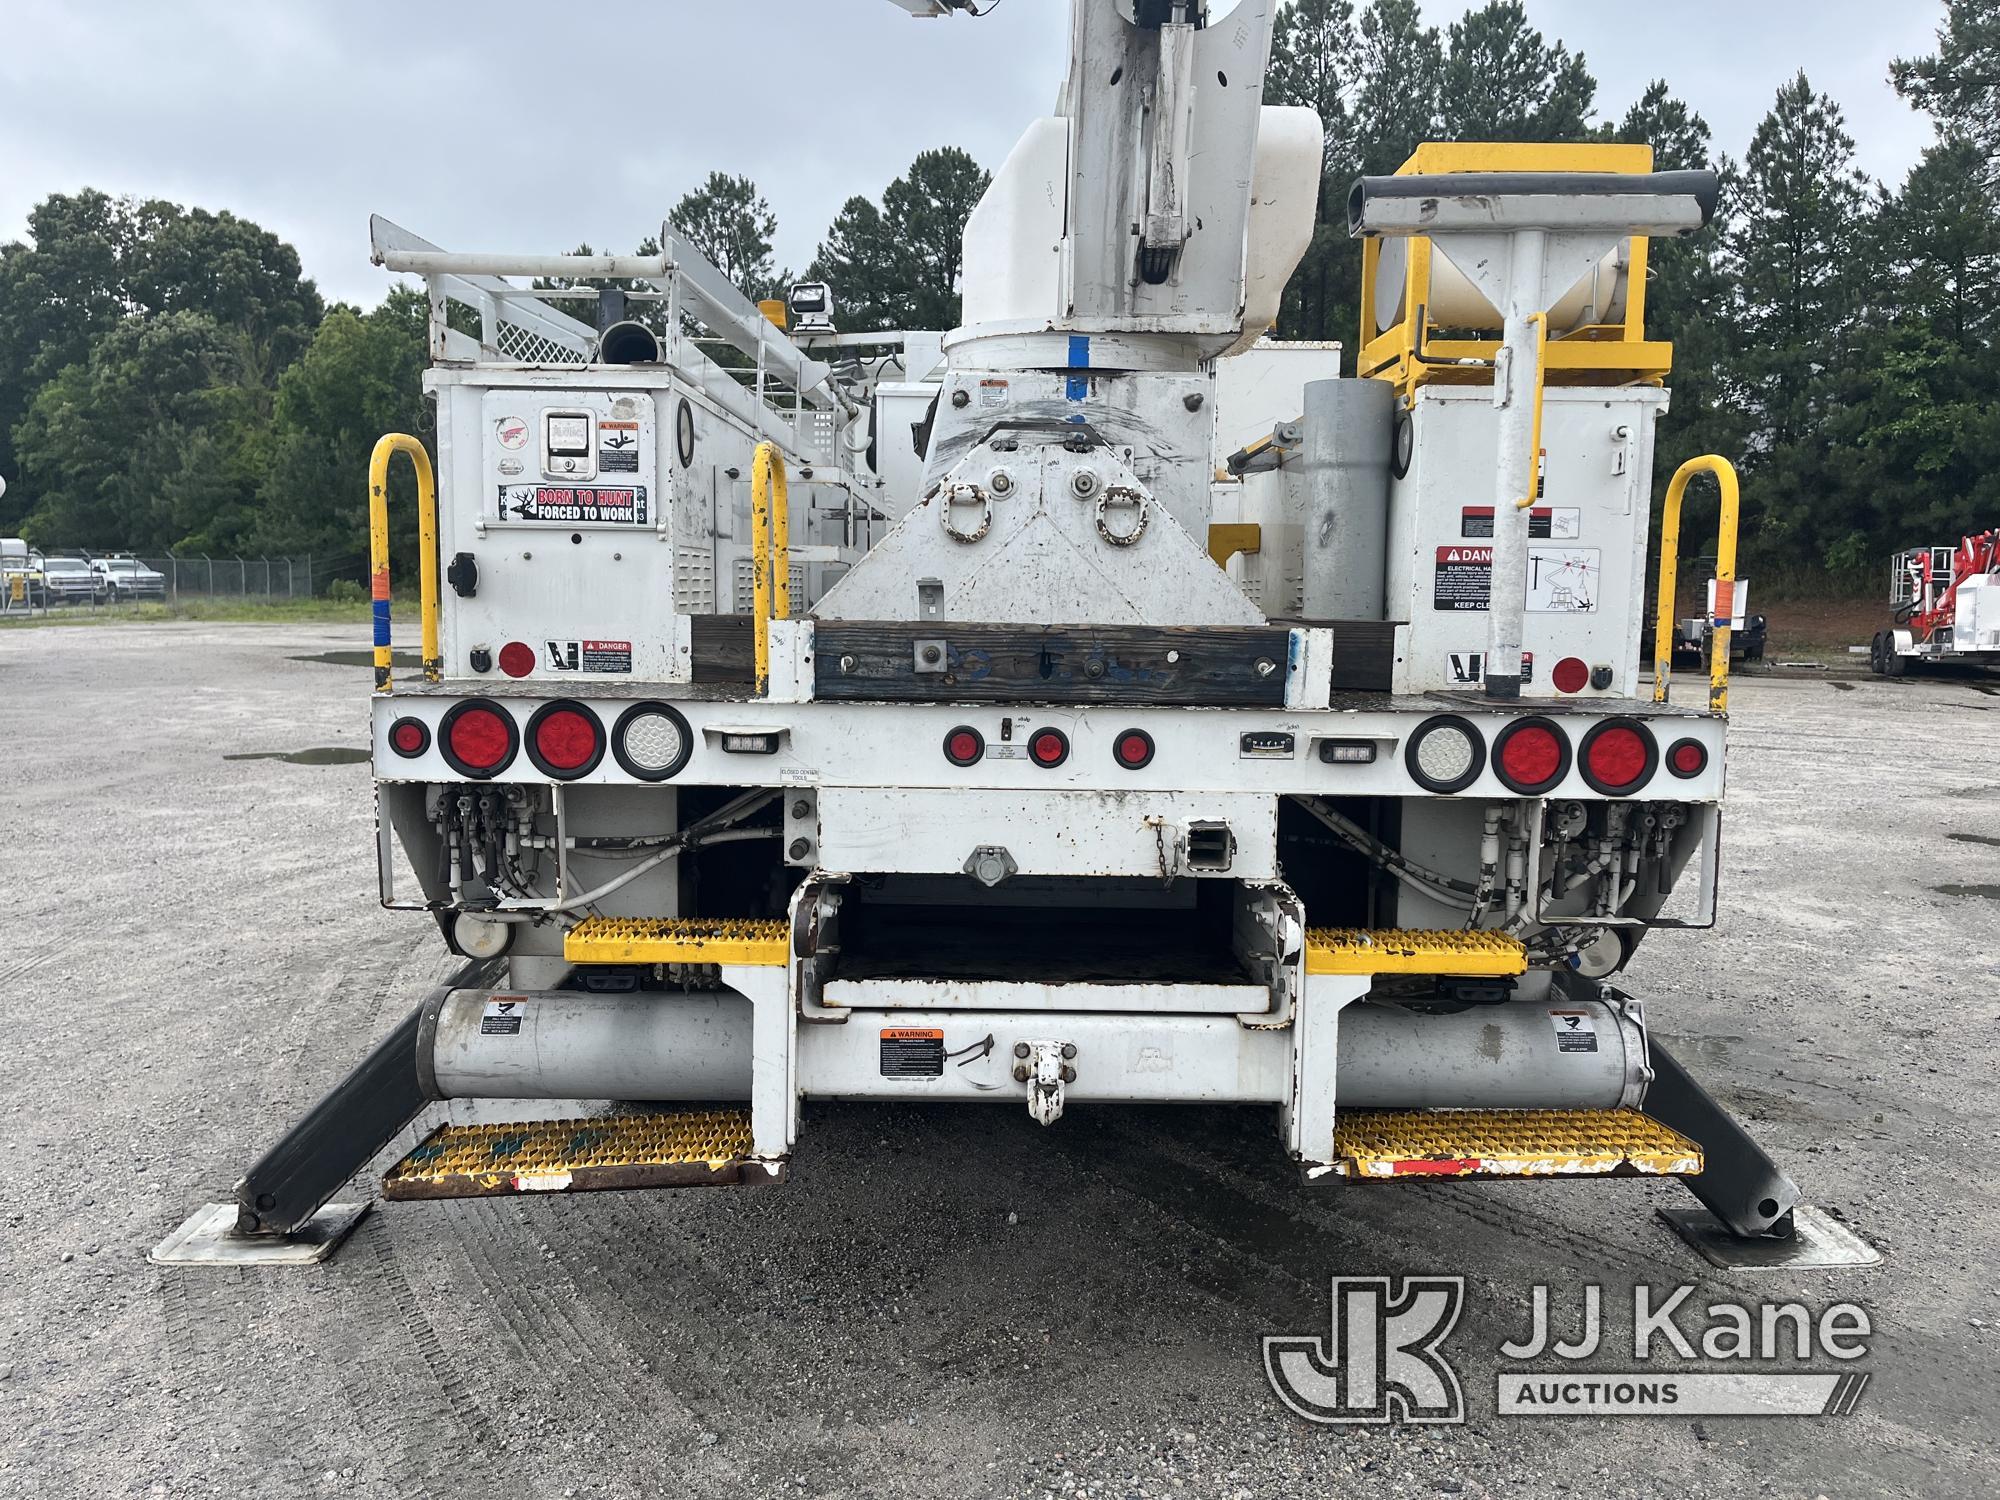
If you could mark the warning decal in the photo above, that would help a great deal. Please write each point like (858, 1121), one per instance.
(1464, 578)
(1563, 580)
(502, 1016)
(618, 447)
(595, 503)
(1562, 523)
(912, 1052)
(1576, 1030)
(588, 656)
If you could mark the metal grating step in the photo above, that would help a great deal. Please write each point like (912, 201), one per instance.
(684, 1148)
(1397, 950)
(1377, 1145)
(677, 940)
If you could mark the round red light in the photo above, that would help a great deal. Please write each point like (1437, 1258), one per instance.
(1688, 758)
(480, 738)
(566, 739)
(409, 737)
(1571, 675)
(517, 658)
(1531, 755)
(963, 747)
(1134, 749)
(1617, 757)
(1049, 747)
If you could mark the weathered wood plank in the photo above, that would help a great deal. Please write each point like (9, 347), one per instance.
(724, 647)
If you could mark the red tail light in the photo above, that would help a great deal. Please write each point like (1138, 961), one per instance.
(517, 658)
(1687, 758)
(964, 746)
(1133, 749)
(1619, 756)
(477, 738)
(1048, 748)
(409, 738)
(565, 740)
(1531, 755)
(1571, 675)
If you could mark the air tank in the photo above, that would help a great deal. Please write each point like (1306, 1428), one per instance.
(1349, 425)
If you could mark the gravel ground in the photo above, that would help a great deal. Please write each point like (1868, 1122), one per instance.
(940, 1302)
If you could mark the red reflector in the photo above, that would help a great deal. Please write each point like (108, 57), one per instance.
(1688, 758)
(1617, 756)
(1571, 675)
(517, 658)
(1134, 749)
(963, 747)
(1531, 755)
(1049, 747)
(480, 738)
(408, 737)
(566, 739)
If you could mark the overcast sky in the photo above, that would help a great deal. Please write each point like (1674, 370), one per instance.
(507, 125)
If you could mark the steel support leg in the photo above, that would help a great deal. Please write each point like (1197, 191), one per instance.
(313, 1160)
(1738, 1183)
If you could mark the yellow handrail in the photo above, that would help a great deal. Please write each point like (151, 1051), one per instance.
(378, 551)
(770, 550)
(1725, 579)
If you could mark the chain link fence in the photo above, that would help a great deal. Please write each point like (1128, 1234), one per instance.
(199, 576)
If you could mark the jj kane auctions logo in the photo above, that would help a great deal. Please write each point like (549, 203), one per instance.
(1384, 1359)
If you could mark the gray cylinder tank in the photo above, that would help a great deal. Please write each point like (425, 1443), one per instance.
(1349, 428)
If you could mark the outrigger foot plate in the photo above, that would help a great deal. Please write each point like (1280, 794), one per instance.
(210, 1238)
(1817, 1242)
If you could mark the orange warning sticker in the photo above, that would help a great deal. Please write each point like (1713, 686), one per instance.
(912, 1052)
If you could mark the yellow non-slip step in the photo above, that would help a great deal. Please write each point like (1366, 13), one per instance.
(1398, 950)
(1378, 1145)
(677, 940)
(683, 1148)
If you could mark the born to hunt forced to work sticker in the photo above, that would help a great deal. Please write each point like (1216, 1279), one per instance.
(1576, 1031)
(502, 1016)
(623, 505)
(912, 1052)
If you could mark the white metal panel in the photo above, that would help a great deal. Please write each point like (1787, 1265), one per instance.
(1125, 832)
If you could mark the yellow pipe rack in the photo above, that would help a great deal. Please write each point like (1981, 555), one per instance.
(378, 551)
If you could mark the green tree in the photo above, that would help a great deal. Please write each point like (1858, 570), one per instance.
(1959, 86)
(146, 444)
(728, 221)
(1400, 70)
(361, 377)
(899, 265)
(1504, 82)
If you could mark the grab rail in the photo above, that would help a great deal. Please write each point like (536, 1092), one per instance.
(770, 551)
(378, 551)
(1725, 578)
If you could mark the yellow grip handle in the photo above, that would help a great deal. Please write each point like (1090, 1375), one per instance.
(1725, 578)
(378, 551)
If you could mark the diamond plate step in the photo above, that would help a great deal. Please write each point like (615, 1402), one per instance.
(677, 940)
(1398, 950)
(1378, 1145)
(684, 1148)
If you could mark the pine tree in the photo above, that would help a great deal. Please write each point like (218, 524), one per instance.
(1504, 82)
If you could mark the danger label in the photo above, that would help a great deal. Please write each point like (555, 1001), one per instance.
(501, 1017)
(1576, 1030)
(1464, 578)
(598, 504)
(912, 1052)
(588, 656)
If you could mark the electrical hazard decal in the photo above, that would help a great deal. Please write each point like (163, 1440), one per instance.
(587, 656)
(912, 1052)
(1576, 1031)
(1464, 578)
(597, 504)
(1563, 580)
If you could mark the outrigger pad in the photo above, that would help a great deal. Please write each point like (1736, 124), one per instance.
(210, 1238)
(1817, 1242)
(684, 1148)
